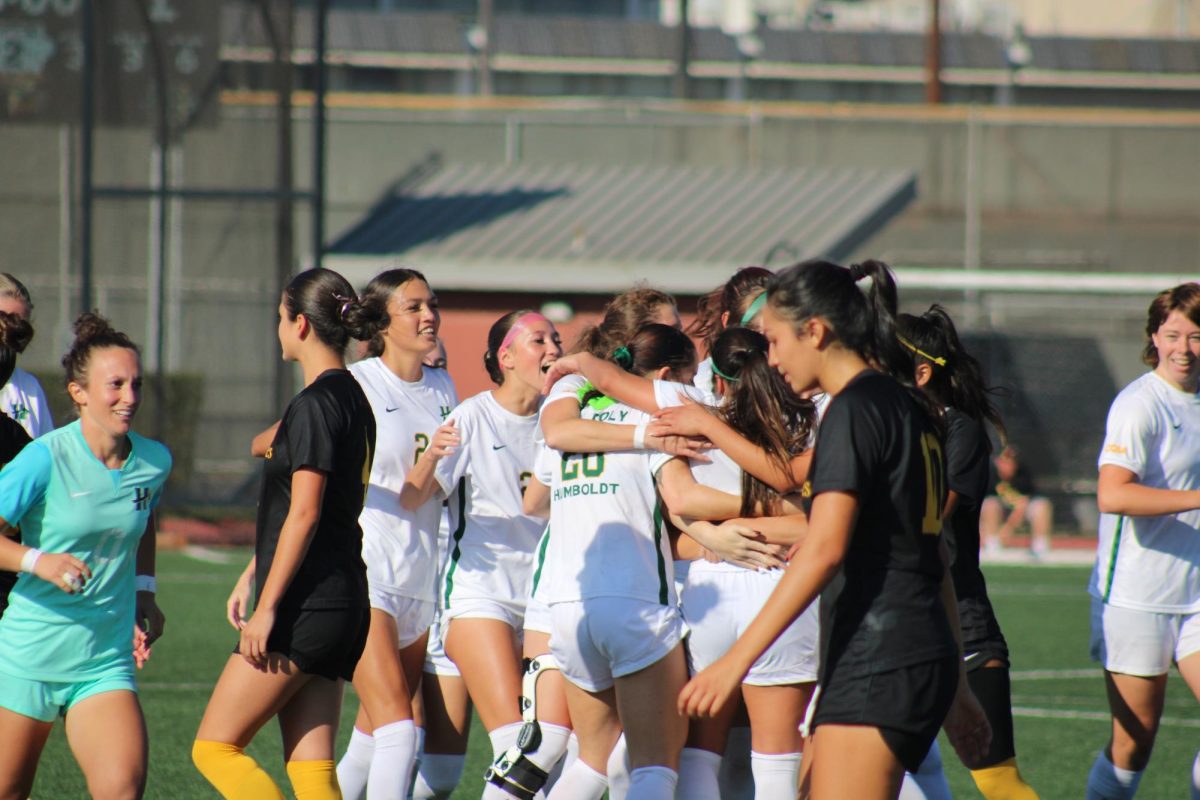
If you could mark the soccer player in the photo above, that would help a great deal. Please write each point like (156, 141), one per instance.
(84, 497)
(617, 633)
(490, 563)
(1145, 587)
(735, 303)
(15, 333)
(876, 501)
(410, 402)
(309, 625)
(22, 397)
(953, 379)
(720, 598)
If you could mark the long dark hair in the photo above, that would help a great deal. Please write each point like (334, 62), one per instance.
(760, 405)
(956, 377)
(653, 347)
(375, 299)
(863, 320)
(730, 297)
(329, 303)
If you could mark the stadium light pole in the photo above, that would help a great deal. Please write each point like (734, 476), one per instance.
(682, 54)
(319, 130)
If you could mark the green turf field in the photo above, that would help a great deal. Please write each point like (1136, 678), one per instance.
(1058, 693)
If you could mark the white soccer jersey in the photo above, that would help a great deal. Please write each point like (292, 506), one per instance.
(22, 399)
(492, 544)
(399, 546)
(704, 376)
(607, 536)
(1152, 563)
(670, 393)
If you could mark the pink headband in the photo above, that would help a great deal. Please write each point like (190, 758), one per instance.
(523, 321)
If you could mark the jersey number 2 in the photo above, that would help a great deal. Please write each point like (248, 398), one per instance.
(935, 484)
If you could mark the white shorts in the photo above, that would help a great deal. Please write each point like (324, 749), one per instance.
(719, 603)
(413, 617)
(537, 616)
(507, 611)
(436, 660)
(1142, 643)
(597, 640)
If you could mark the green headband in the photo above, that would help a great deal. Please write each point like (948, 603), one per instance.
(717, 372)
(754, 308)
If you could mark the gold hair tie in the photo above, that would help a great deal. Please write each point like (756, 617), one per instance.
(941, 362)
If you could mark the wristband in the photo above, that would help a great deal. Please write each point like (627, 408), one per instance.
(639, 436)
(30, 559)
(145, 583)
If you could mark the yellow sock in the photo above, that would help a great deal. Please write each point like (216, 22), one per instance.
(1003, 782)
(234, 774)
(314, 780)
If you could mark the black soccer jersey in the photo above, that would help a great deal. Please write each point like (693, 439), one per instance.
(876, 442)
(328, 427)
(967, 475)
(12, 439)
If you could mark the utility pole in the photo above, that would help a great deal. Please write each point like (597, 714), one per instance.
(933, 55)
(682, 53)
(485, 47)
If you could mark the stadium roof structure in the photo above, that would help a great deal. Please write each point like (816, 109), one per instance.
(601, 228)
(598, 45)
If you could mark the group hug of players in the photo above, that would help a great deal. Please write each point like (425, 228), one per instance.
(642, 554)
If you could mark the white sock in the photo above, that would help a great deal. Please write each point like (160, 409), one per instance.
(776, 775)
(392, 763)
(416, 767)
(929, 781)
(1107, 781)
(698, 774)
(653, 783)
(548, 753)
(564, 764)
(580, 782)
(439, 776)
(503, 738)
(618, 770)
(1196, 778)
(736, 776)
(355, 765)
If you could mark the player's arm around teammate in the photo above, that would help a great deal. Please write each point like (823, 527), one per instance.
(66, 633)
(310, 623)
(871, 512)
(1146, 583)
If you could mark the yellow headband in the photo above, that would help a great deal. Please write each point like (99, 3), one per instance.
(941, 362)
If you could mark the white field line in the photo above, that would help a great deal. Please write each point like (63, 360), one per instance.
(1055, 674)
(1094, 716)
(210, 555)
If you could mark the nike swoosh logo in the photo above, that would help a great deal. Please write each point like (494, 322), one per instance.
(969, 657)
(499, 446)
(390, 410)
(80, 494)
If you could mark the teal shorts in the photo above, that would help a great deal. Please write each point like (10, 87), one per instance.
(45, 700)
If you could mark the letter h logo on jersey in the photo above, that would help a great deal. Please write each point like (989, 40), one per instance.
(141, 499)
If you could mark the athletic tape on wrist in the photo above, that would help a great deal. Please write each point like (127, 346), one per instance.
(30, 559)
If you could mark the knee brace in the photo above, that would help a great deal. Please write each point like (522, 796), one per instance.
(513, 771)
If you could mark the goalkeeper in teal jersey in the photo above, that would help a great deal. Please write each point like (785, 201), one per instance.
(83, 497)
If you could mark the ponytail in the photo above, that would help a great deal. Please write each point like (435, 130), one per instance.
(957, 377)
(760, 406)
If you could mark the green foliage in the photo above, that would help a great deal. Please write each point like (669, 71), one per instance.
(1044, 612)
(183, 398)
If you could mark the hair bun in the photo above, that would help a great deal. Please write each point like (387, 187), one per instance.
(90, 324)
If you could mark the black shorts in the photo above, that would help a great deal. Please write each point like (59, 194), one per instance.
(325, 642)
(907, 704)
